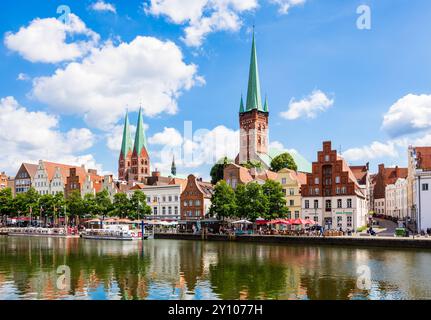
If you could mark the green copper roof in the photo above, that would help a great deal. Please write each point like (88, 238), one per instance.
(254, 100)
(126, 145)
(140, 138)
(241, 107)
(265, 107)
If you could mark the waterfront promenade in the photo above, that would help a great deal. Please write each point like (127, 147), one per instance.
(343, 241)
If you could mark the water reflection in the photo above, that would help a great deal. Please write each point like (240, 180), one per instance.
(163, 269)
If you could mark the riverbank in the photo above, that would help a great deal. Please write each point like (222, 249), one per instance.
(385, 242)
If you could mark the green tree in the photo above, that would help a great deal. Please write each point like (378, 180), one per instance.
(139, 206)
(251, 202)
(59, 204)
(75, 206)
(46, 206)
(121, 207)
(282, 161)
(6, 202)
(223, 202)
(32, 201)
(103, 202)
(90, 205)
(273, 190)
(253, 164)
(217, 171)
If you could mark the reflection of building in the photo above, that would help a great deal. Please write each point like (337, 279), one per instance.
(419, 180)
(396, 199)
(332, 195)
(196, 199)
(291, 182)
(24, 178)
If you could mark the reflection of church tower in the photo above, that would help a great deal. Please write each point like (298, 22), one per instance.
(253, 117)
(140, 158)
(125, 160)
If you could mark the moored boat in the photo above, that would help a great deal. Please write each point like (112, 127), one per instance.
(113, 232)
(40, 232)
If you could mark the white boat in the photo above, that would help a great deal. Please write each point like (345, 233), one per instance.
(39, 232)
(113, 232)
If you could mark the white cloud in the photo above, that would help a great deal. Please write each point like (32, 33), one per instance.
(114, 137)
(202, 17)
(410, 114)
(203, 147)
(112, 77)
(169, 137)
(23, 77)
(103, 6)
(276, 145)
(285, 5)
(308, 107)
(31, 136)
(45, 40)
(376, 150)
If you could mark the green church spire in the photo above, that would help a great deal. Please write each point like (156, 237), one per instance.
(241, 107)
(126, 145)
(265, 107)
(254, 100)
(140, 138)
(173, 167)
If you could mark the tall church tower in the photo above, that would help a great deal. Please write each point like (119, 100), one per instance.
(140, 168)
(253, 117)
(125, 160)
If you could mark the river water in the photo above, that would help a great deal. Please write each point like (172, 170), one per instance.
(44, 268)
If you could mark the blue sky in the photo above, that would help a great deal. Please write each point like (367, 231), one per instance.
(369, 91)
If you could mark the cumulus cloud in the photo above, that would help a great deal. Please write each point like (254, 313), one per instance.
(103, 6)
(30, 136)
(309, 107)
(111, 77)
(194, 149)
(286, 5)
(48, 40)
(410, 114)
(202, 17)
(375, 150)
(23, 77)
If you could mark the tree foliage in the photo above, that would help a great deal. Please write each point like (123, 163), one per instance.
(223, 202)
(283, 161)
(217, 171)
(273, 190)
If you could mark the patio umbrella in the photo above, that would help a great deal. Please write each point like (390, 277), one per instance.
(299, 222)
(286, 222)
(309, 221)
(242, 222)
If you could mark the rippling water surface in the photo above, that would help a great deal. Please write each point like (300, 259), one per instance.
(169, 269)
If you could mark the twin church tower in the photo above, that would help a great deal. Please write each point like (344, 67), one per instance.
(134, 161)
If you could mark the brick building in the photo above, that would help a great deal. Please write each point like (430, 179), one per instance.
(86, 182)
(332, 195)
(134, 160)
(196, 199)
(382, 179)
(3, 180)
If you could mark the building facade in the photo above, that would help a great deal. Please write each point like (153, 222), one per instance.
(291, 182)
(3, 180)
(196, 199)
(50, 178)
(332, 196)
(164, 200)
(384, 177)
(420, 186)
(396, 199)
(24, 179)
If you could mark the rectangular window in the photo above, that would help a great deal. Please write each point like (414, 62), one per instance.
(291, 203)
(349, 203)
(296, 214)
(316, 180)
(284, 191)
(339, 222)
(307, 204)
(176, 210)
(316, 204)
(425, 187)
(328, 205)
(283, 181)
(337, 179)
(349, 221)
(155, 211)
(289, 215)
(292, 192)
(339, 203)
